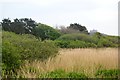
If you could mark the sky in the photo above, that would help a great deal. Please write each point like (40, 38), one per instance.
(101, 15)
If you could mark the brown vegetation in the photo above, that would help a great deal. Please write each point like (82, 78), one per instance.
(87, 60)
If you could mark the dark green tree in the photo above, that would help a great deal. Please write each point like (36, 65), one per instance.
(6, 24)
(75, 26)
(29, 25)
(19, 26)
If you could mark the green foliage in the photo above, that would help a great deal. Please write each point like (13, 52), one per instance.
(76, 75)
(62, 74)
(17, 48)
(74, 36)
(76, 41)
(77, 44)
(114, 39)
(98, 35)
(10, 58)
(112, 73)
(62, 44)
(104, 43)
(46, 32)
(30, 47)
(29, 26)
(85, 41)
(54, 74)
(73, 44)
(107, 41)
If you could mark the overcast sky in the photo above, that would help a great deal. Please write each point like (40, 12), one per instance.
(101, 15)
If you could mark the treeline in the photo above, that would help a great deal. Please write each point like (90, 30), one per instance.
(29, 26)
(72, 36)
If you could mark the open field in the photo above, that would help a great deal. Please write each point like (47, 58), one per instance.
(87, 60)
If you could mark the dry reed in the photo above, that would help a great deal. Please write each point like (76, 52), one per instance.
(85, 60)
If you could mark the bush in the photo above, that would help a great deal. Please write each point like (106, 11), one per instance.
(74, 44)
(10, 58)
(76, 36)
(77, 44)
(17, 48)
(61, 43)
(105, 43)
(30, 47)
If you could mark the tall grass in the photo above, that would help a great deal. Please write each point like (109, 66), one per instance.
(87, 61)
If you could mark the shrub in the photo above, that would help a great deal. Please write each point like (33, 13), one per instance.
(76, 36)
(30, 47)
(73, 44)
(105, 43)
(61, 43)
(17, 48)
(113, 39)
(77, 44)
(10, 58)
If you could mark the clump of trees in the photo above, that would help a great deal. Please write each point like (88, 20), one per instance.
(64, 30)
(80, 28)
(74, 28)
(29, 26)
(19, 26)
